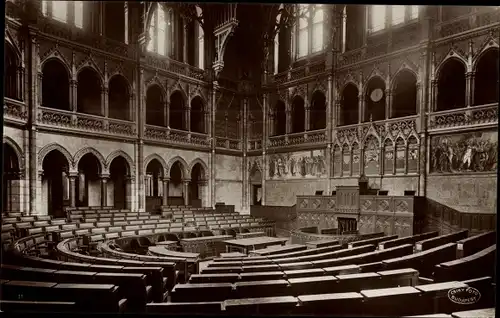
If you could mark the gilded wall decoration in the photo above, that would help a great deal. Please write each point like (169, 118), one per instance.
(371, 159)
(337, 161)
(400, 155)
(467, 152)
(355, 159)
(388, 157)
(298, 165)
(346, 160)
(412, 155)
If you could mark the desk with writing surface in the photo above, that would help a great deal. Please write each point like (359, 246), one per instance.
(254, 243)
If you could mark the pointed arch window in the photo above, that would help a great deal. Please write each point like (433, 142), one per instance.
(59, 10)
(378, 15)
(309, 30)
(159, 30)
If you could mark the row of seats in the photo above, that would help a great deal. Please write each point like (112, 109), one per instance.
(368, 299)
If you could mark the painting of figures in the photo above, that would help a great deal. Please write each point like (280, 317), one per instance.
(468, 152)
(298, 165)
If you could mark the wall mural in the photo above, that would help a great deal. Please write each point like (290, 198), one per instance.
(298, 165)
(467, 152)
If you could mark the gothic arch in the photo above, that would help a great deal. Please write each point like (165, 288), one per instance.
(481, 53)
(183, 94)
(89, 66)
(183, 163)
(369, 137)
(372, 77)
(19, 152)
(203, 165)
(200, 95)
(54, 146)
(97, 154)
(345, 84)
(10, 41)
(160, 160)
(456, 57)
(89, 62)
(120, 74)
(59, 59)
(402, 69)
(155, 81)
(121, 153)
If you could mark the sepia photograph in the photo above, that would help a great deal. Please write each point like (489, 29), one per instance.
(249, 159)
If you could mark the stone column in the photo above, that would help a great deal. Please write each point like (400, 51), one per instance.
(104, 101)
(187, 117)
(72, 189)
(434, 93)
(388, 104)
(31, 102)
(165, 191)
(267, 131)
(166, 114)
(307, 117)
(104, 190)
(469, 89)
(213, 144)
(185, 42)
(185, 188)
(288, 121)
(202, 192)
(128, 190)
(361, 107)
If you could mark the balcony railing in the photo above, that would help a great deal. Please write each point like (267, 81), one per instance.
(311, 68)
(308, 137)
(167, 64)
(85, 122)
(392, 126)
(475, 115)
(14, 109)
(174, 136)
(254, 144)
(228, 143)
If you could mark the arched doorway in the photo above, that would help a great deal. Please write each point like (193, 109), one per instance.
(280, 119)
(154, 185)
(119, 98)
(55, 85)
(89, 92)
(486, 79)
(255, 185)
(176, 191)
(451, 85)
(197, 188)
(119, 176)
(404, 94)
(349, 105)
(11, 180)
(55, 184)
(317, 119)
(88, 185)
(155, 106)
(10, 73)
(298, 115)
(177, 111)
(197, 115)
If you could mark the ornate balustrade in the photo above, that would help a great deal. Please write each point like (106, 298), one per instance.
(393, 126)
(166, 64)
(84, 122)
(174, 136)
(476, 115)
(351, 57)
(311, 68)
(254, 144)
(228, 143)
(14, 110)
(308, 137)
